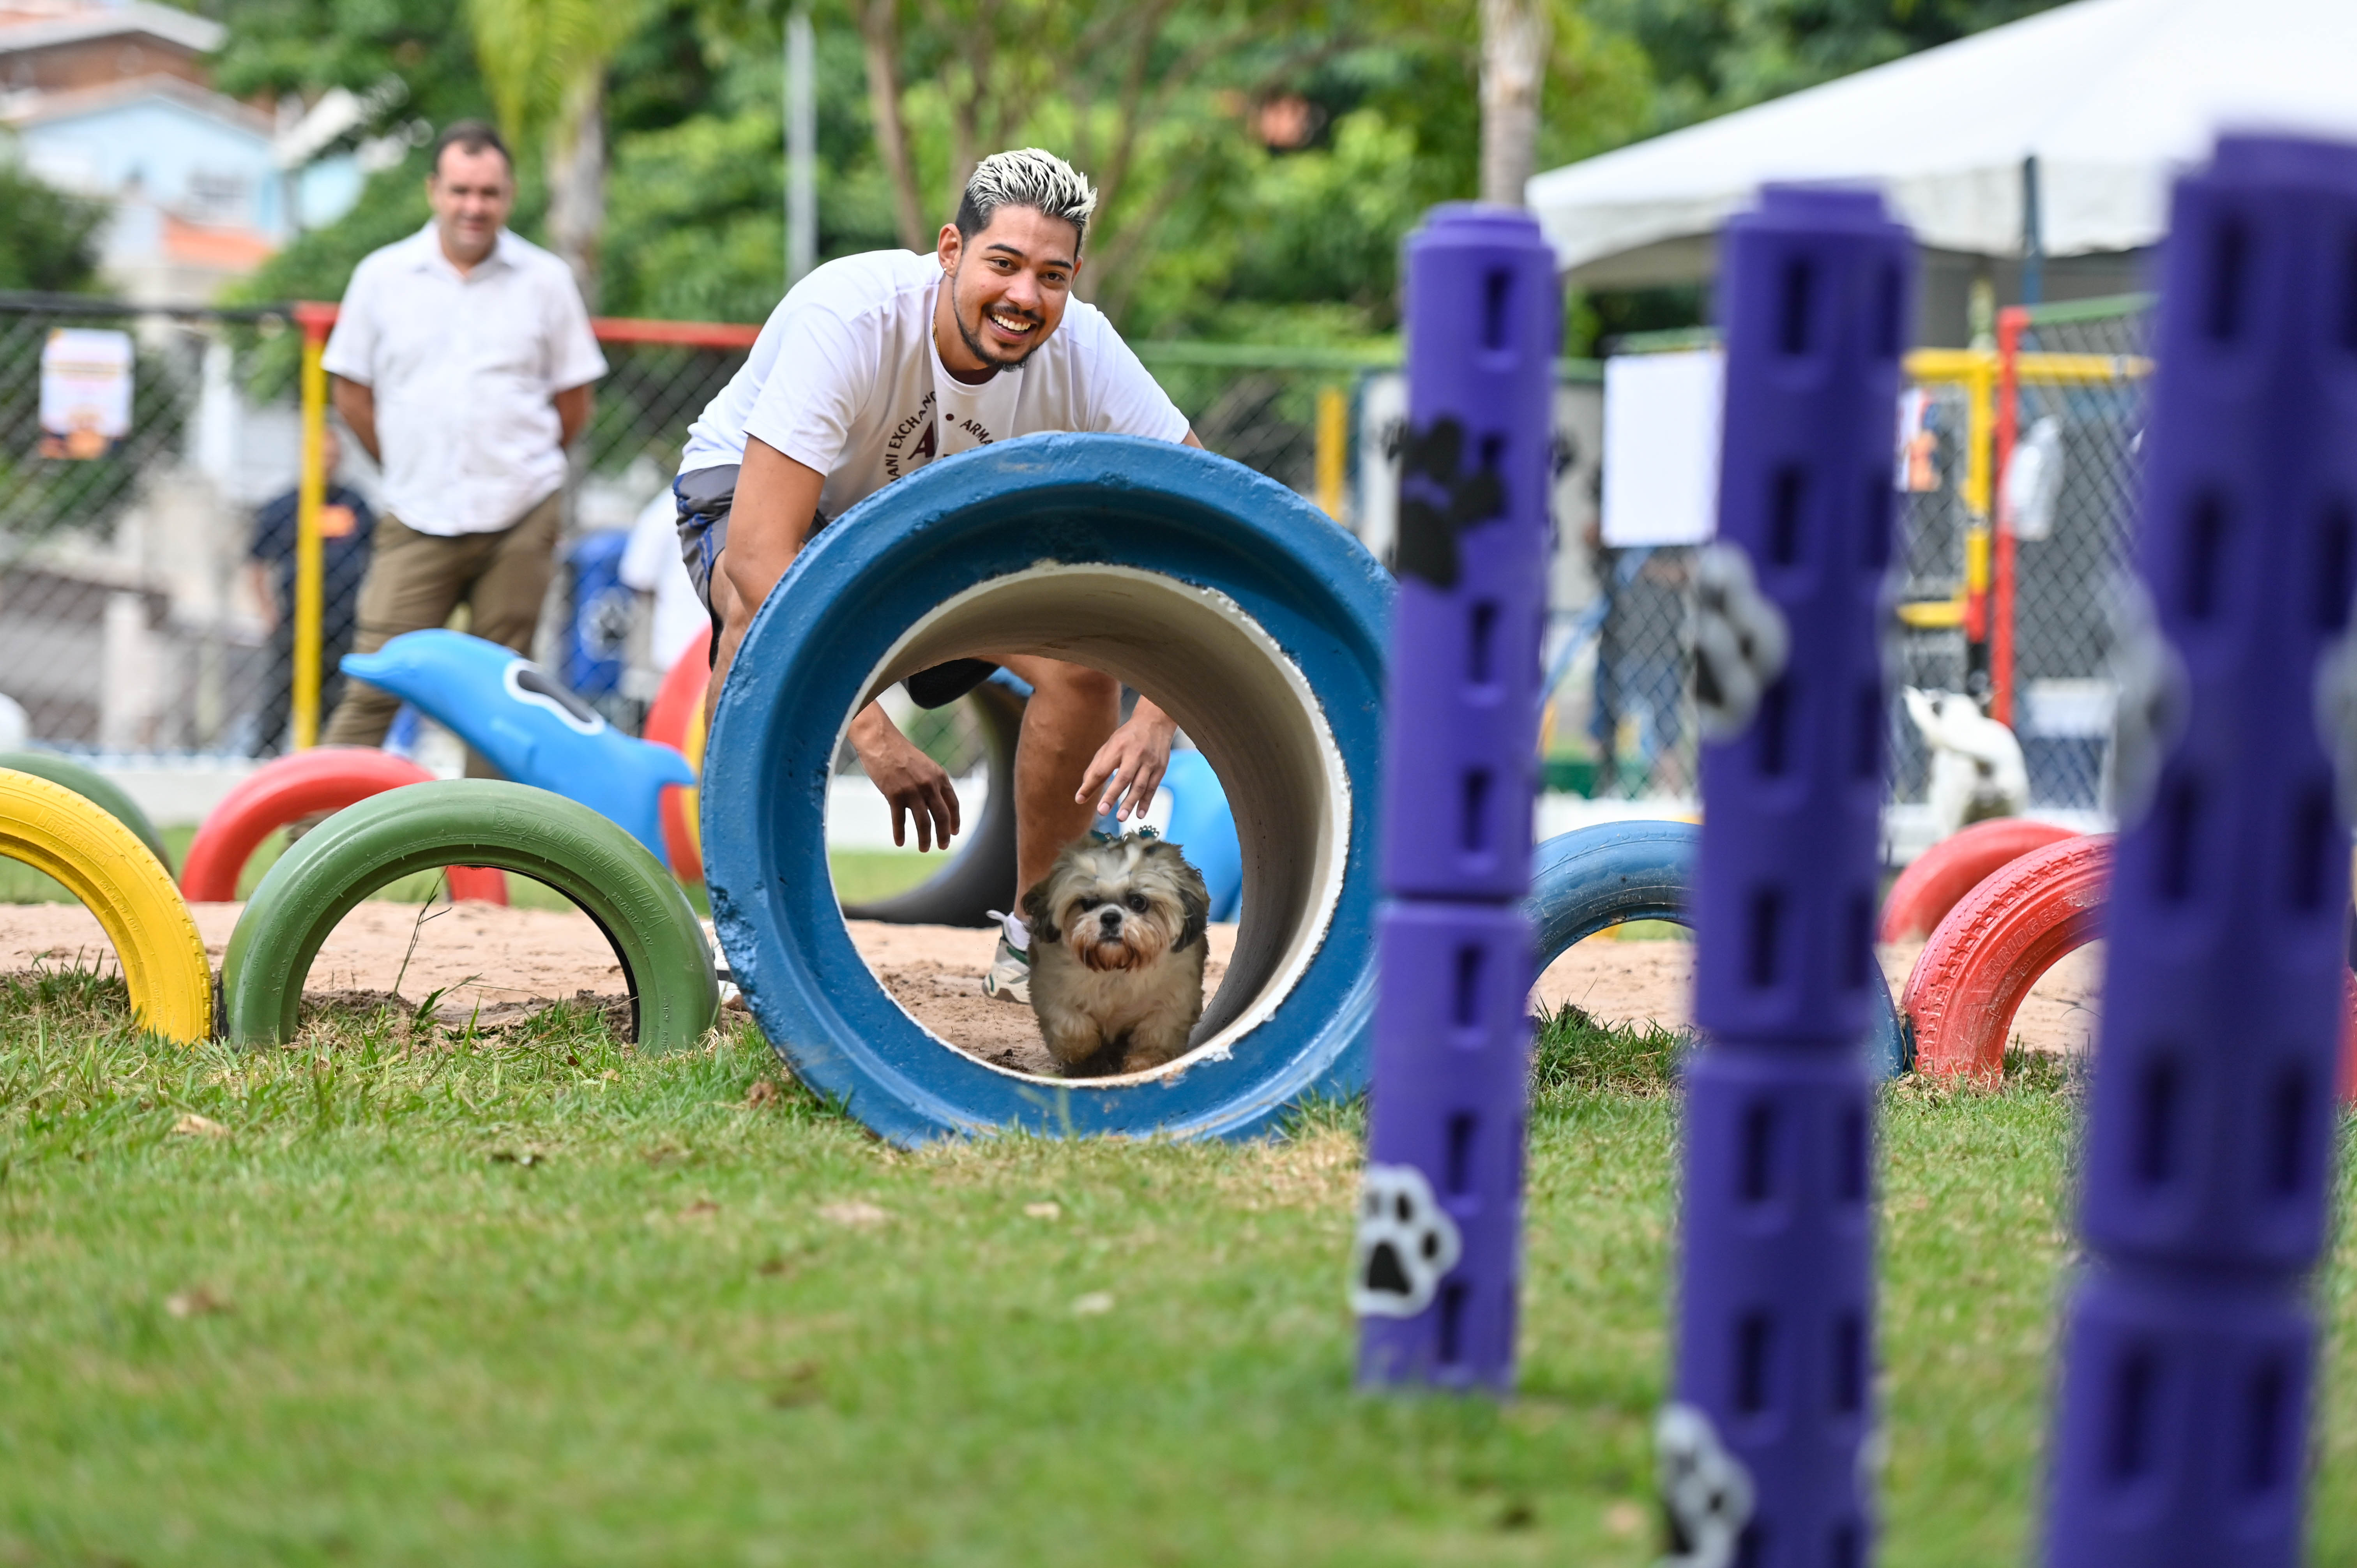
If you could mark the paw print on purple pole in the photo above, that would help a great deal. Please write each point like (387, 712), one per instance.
(1774, 1347)
(1460, 753)
(2188, 1347)
(1452, 1039)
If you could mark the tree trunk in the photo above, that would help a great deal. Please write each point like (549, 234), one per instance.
(577, 182)
(879, 33)
(1515, 38)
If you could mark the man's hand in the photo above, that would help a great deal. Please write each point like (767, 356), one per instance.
(1129, 767)
(913, 782)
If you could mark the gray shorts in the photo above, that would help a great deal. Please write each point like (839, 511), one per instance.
(704, 497)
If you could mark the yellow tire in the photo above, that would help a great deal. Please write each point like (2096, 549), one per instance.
(118, 879)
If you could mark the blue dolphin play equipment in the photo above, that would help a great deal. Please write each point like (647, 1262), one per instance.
(1258, 624)
(529, 725)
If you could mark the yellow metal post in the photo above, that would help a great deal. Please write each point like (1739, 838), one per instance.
(310, 555)
(1333, 444)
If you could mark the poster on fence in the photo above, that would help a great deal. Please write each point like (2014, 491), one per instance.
(85, 392)
(1661, 446)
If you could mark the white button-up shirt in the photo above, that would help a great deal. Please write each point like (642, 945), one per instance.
(464, 366)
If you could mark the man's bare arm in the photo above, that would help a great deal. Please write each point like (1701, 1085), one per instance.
(769, 522)
(356, 405)
(572, 405)
(1128, 767)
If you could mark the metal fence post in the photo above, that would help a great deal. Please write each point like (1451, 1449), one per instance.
(2189, 1349)
(1333, 448)
(310, 551)
(1439, 1252)
(1761, 1448)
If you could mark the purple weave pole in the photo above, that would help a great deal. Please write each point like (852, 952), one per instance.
(1439, 1242)
(1760, 1448)
(2189, 1345)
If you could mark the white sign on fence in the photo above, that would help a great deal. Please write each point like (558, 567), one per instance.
(1661, 446)
(85, 392)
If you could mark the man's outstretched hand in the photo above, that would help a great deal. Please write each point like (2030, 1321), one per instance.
(916, 786)
(1128, 767)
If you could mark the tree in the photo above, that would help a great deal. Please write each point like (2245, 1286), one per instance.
(49, 240)
(1111, 82)
(1516, 34)
(546, 63)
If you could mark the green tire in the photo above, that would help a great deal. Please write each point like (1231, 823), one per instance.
(92, 786)
(675, 994)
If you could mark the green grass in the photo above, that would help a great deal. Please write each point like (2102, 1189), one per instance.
(425, 1295)
(860, 874)
(863, 876)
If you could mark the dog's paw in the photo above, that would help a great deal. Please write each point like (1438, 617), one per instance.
(1406, 1242)
(1706, 1494)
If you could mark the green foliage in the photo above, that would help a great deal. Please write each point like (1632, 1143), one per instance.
(1710, 55)
(49, 240)
(1207, 233)
(278, 47)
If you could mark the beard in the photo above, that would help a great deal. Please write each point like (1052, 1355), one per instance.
(989, 353)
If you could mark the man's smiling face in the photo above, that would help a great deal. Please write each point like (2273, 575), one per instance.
(1008, 287)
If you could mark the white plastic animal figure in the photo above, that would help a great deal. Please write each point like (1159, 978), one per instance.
(1977, 766)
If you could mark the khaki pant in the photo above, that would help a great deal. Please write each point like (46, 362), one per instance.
(415, 580)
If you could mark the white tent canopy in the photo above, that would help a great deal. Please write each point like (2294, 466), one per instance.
(2109, 96)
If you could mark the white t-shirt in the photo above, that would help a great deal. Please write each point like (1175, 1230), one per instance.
(463, 367)
(845, 379)
(651, 562)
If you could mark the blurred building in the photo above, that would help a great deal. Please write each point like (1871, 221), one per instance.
(113, 102)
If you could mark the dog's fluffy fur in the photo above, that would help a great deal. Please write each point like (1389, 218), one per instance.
(1118, 954)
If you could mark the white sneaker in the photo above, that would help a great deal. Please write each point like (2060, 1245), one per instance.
(1009, 978)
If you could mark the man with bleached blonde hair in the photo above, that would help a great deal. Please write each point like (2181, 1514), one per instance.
(870, 367)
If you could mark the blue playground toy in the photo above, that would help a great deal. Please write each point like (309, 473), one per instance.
(530, 727)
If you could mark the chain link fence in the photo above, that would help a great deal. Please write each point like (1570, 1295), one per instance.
(1621, 720)
(144, 587)
(2077, 377)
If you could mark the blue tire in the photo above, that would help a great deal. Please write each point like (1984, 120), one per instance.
(1243, 610)
(1584, 881)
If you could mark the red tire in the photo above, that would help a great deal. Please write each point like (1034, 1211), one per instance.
(328, 778)
(670, 722)
(1992, 947)
(1944, 874)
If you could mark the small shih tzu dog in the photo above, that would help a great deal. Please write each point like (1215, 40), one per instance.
(1118, 954)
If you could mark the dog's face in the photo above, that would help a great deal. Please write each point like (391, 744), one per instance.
(1119, 903)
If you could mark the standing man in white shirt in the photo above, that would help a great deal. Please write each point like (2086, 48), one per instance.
(872, 367)
(463, 360)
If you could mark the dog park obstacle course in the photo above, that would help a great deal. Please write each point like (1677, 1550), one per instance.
(530, 727)
(1437, 1261)
(1943, 875)
(1773, 1401)
(102, 862)
(91, 785)
(1231, 601)
(288, 789)
(2189, 1344)
(615, 881)
(1989, 949)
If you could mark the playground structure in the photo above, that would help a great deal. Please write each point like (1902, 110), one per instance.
(529, 725)
(674, 994)
(117, 878)
(2188, 1356)
(1249, 618)
(1774, 1402)
(1437, 1268)
(292, 787)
